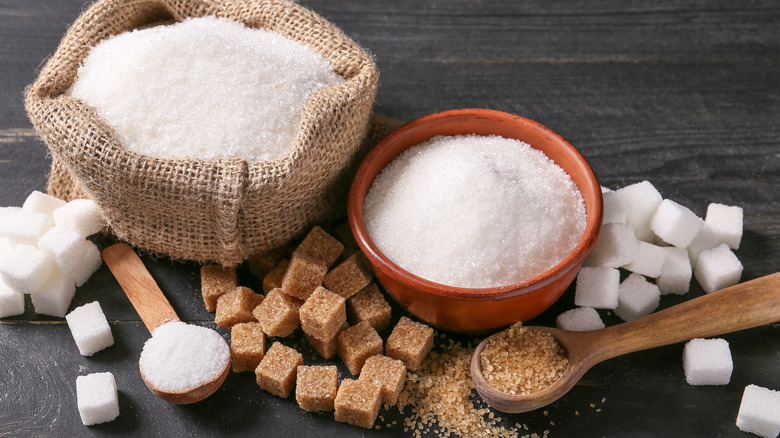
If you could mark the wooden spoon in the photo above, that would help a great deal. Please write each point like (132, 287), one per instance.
(746, 305)
(154, 310)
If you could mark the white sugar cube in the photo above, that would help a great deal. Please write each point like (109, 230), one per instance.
(605, 189)
(704, 240)
(7, 218)
(648, 261)
(759, 412)
(11, 301)
(89, 328)
(26, 268)
(64, 245)
(675, 224)
(25, 228)
(640, 200)
(597, 287)
(614, 210)
(675, 277)
(97, 398)
(726, 223)
(83, 215)
(615, 247)
(38, 202)
(89, 262)
(580, 319)
(717, 268)
(55, 296)
(707, 362)
(637, 298)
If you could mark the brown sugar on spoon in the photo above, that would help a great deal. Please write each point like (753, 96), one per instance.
(522, 361)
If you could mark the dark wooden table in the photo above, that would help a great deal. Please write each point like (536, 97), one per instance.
(682, 93)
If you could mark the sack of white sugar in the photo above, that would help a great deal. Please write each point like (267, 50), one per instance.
(213, 142)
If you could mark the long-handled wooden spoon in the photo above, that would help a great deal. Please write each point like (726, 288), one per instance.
(746, 305)
(154, 310)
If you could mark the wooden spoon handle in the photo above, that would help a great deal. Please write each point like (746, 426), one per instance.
(139, 286)
(739, 307)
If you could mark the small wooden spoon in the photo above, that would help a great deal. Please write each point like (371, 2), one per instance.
(746, 305)
(154, 310)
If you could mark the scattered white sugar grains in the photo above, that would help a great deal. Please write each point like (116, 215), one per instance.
(641, 200)
(203, 88)
(181, 356)
(97, 398)
(11, 301)
(64, 245)
(707, 362)
(675, 224)
(26, 268)
(614, 210)
(89, 328)
(82, 215)
(759, 412)
(637, 298)
(38, 202)
(704, 240)
(717, 268)
(616, 246)
(474, 211)
(726, 222)
(25, 227)
(675, 277)
(54, 297)
(89, 262)
(597, 287)
(580, 319)
(648, 261)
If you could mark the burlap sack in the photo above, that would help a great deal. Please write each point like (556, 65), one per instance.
(206, 210)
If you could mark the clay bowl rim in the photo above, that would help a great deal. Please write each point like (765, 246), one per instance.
(357, 196)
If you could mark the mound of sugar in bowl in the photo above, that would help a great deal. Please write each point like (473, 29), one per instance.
(474, 211)
(180, 356)
(203, 88)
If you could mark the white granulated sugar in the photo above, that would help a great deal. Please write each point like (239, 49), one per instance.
(181, 356)
(474, 211)
(203, 88)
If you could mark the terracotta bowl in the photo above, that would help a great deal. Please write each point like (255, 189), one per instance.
(467, 310)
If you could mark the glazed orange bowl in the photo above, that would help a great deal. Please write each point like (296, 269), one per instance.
(475, 310)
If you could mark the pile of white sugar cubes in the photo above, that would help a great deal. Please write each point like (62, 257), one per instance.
(45, 253)
(656, 238)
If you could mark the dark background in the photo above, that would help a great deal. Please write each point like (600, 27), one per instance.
(681, 93)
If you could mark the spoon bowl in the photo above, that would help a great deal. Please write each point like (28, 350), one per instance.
(739, 307)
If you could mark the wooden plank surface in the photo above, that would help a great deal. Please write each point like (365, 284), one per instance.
(682, 93)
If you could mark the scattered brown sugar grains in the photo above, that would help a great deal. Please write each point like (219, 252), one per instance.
(323, 314)
(357, 403)
(520, 360)
(409, 342)
(304, 274)
(278, 313)
(247, 346)
(356, 344)
(316, 387)
(321, 245)
(389, 374)
(273, 279)
(216, 280)
(349, 277)
(277, 371)
(369, 305)
(236, 306)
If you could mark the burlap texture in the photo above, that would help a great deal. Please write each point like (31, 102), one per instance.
(207, 210)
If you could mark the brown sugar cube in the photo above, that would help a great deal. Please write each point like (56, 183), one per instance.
(350, 276)
(273, 279)
(386, 373)
(321, 245)
(410, 342)
(236, 306)
(326, 348)
(369, 305)
(216, 280)
(316, 387)
(276, 372)
(261, 264)
(247, 346)
(304, 274)
(358, 343)
(357, 403)
(323, 314)
(278, 313)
